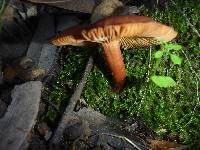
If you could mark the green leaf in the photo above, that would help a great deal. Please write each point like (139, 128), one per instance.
(163, 81)
(159, 54)
(175, 47)
(175, 59)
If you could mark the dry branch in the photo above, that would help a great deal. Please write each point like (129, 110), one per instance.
(72, 102)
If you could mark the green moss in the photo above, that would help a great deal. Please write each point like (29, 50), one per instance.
(173, 113)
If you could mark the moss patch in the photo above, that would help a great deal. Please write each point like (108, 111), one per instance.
(173, 113)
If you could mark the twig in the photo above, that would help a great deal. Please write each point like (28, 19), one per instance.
(72, 102)
(149, 66)
(197, 84)
(196, 77)
(188, 21)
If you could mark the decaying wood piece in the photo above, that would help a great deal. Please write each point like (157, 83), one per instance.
(42, 53)
(44, 31)
(72, 102)
(85, 6)
(16, 124)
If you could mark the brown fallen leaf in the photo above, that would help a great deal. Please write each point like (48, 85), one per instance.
(165, 145)
(10, 73)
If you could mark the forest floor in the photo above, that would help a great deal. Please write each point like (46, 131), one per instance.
(173, 113)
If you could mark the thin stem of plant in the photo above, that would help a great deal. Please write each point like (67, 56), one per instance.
(188, 21)
(149, 66)
(72, 102)
(196, 75)
(197, 86)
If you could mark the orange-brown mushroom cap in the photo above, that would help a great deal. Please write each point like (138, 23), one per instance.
(71, 36)
(132, 31)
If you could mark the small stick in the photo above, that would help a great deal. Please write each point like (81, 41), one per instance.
(72, 102)
(149, 66)
(196, 78)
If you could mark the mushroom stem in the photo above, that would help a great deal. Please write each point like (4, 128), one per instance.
(115, 62)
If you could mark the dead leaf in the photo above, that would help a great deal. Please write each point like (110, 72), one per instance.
(9, 73)
(165, 145)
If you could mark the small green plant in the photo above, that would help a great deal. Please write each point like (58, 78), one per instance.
(167, 50)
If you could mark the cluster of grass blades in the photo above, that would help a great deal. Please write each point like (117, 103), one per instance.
(172, 112)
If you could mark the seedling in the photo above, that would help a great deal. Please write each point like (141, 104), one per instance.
(167, 50)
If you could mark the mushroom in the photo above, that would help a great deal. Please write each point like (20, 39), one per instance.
(71, 36)
(119, 31)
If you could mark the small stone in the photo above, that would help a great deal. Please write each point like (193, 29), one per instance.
(26, 63)
(73, 132)
(33, 74)
(77, 130)
(30, 12)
